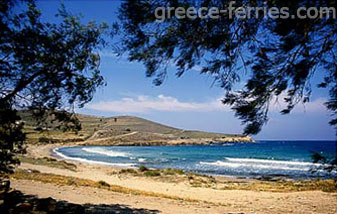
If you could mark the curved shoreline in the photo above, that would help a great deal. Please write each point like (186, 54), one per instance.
(283, 170)
(82, 160)
(258, 199)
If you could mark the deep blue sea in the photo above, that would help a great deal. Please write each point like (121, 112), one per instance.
(286, 158)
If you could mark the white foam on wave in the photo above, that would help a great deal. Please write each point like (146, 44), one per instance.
(264, 161)
(263, 164)
(102, 151)
(252, 165)
(83, 160)
(141, 160)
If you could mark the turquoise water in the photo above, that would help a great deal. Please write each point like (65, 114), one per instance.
(287, 158)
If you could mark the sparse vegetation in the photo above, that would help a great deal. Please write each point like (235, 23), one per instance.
(126, 130)
(206, 181)
(103, 184)
(170, 171)
(152, 173)
(145, 171)
(44, 139)
(51, 162)
(143, 168)
(280, 186)
(129, 170)
(72, 181)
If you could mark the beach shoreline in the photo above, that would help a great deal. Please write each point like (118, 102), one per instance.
(185, 196)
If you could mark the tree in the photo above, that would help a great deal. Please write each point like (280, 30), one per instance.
(46, 67)
(281, 55)
(276, 56)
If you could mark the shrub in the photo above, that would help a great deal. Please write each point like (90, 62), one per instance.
(71, 182)
(49, 159)
(143, 168)
(103, 184)
(44, 139)
(170, 171)
(152, 173)
(132, 171)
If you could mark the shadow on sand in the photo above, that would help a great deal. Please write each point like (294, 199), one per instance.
(15, 202)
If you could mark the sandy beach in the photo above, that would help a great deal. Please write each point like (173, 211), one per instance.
(167, 196)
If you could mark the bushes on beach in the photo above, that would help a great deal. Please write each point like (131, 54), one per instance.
(152, 173)
(156, 172)
(48, 161)
(131, 171)
(44, 139)
(103, 184)
(143, 168)
(149, 172)
(170, 171)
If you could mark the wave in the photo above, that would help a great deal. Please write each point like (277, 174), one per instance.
(262, 164)
(141, 160)
(265, 161)
(83, 160)
(251, 165)
(102, 151)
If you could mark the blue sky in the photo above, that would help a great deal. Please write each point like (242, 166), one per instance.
(188, 102)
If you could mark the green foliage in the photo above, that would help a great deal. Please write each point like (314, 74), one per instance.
(327, 164)
(50, 162)
(170, 171)
(152, 173)
(131, 171)
(46, 67)
(279, 56)
(44, 139)
(11, 139)
(143, 168)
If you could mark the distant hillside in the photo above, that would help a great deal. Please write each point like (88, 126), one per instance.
(122, 130)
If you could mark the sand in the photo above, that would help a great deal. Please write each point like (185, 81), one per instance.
(211, 200)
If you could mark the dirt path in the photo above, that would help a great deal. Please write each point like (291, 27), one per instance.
(94, 137)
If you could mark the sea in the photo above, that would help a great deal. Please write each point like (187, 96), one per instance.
(291, 159)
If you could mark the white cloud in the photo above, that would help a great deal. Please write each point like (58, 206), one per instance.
(143, 104)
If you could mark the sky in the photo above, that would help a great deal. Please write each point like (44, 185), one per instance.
(189, 102)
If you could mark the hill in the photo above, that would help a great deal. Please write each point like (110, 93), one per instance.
(121, 130)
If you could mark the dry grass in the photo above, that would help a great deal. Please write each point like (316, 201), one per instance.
(205, 181)
(284, 186)
(73, 181)
(319, 185)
